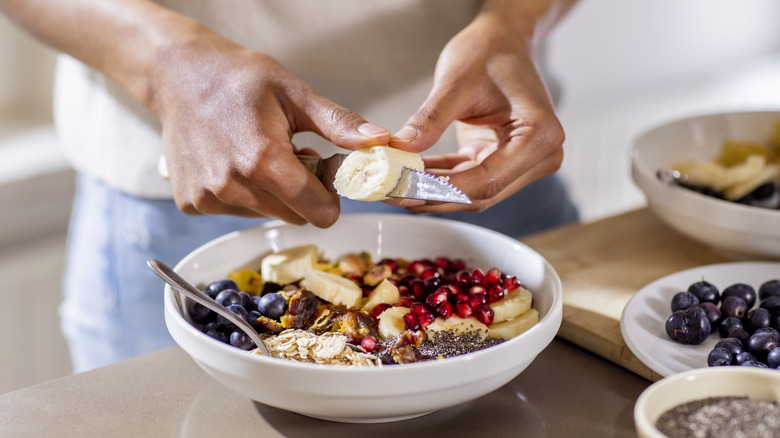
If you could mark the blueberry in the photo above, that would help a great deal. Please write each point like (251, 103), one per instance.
(754, 363)
(683, 300)
(218, 286)
(219, 335)
(705, 291)
(689, 326)
(756, 319)
(733, 345)
(773, 358)
(743, 357)
(772, 304)
(727, 323)
(713, 314)
(272, 305)
(199, 313)
(769, 289)
(228, 297)
(742, 290)
(252, 319)
(240, 340)
(740, 333)
(734, 306)
(761, 343)
(719, 357)
(246, 300)
(235, 308)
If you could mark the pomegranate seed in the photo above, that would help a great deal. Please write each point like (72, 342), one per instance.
(495, 293)
(428, 273)
(463, 309)
(376, 311)
(405, 302)
(432, 283)
(463, 277)
(478, 289)
(477, 300)
(458, 265)
(368, 343)
(445, 309)
(418, 308)
(484, 314)
(419, 266)
(366, 290)
(426, 318)
(453, 289)
(417, 287)
(392, 264)
(511, 283)
(493, 277)
(357, 278)
(438, 297)
(462, 297)
(403, 290)
(408, 278)
(477, 276)
(412, 321)
(442, 263)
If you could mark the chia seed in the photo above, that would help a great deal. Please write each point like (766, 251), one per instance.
(449, 343)
(722, 417)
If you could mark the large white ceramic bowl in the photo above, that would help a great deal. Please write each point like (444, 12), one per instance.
(702, 383)
(735, 230)
(385, 393)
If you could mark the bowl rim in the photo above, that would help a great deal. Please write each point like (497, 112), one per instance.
(552, 318)
(647, 425)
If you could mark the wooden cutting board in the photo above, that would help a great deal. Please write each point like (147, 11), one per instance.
(603, 264)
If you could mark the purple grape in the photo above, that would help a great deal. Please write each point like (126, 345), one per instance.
(743, 357)
(772, 304)
(761, 343)
(734, 306)
(727, 323)
(689, 326)
(769, 289)
(719, 357)
(740, 333)
(733, 345)
(683, 300)
(713, 314)
(742, 290)
(773, 358)
(705, 291)
(756, 319)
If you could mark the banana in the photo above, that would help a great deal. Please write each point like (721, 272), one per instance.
(385, 292)
(391, 322)
(514, 304)
(369, 174)
(513, 327)
(289, 265)
(333, 288)
(457, 324)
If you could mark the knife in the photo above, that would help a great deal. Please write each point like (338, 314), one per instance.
(413, 184)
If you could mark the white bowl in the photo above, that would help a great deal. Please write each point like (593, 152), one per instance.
(385, 393)
(735, 230)
(735, 381)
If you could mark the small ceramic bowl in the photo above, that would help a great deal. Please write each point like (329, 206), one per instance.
(378, 394)
(735, 230)
(702, 383)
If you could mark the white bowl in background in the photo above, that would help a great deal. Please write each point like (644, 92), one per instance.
(702, 383)
(385, 393)
(736, 230)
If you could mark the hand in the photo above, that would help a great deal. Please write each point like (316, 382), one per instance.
(508, 133)
(228, 117)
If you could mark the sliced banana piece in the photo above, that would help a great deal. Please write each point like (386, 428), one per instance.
(385, 292)
(457, 324)
(391, 322)
(514, 304)
(288, 265)
(369, 174)
(333, 288)
(513, 327)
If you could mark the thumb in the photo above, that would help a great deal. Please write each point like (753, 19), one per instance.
(340, 125)
(427, 125)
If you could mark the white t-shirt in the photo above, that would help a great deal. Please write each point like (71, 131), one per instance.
(373, 57)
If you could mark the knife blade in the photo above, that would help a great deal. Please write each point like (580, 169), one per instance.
(413, 184)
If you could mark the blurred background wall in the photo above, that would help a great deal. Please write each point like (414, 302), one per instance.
(622, 66)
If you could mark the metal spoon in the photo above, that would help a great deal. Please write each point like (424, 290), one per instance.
(175, 281)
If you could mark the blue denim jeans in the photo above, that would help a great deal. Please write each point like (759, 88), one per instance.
(112, 305)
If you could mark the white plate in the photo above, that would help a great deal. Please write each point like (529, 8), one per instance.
(643, 319)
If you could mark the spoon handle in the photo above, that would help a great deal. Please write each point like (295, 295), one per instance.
(177, 282)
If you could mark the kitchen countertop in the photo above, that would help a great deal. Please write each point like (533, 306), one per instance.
(567, 391)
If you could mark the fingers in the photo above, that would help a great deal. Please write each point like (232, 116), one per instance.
(427, 125)
(341, 126)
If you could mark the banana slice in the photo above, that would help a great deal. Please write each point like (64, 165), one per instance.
(514, 304)
(369, 174)
(289, 265)
(385, 292)
(391, 322)
(513, 327)
(457, 324)
(333, 288)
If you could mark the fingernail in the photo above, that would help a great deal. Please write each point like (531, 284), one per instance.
(406, 134)
(371, 130)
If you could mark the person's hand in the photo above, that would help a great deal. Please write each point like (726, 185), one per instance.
(228, 117)
(508, 133)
